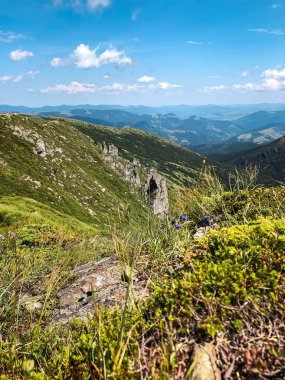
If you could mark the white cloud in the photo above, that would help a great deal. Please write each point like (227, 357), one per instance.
(190, 42)
(244, 74)
(271, 80)
(274, 73)
(135, 87)
(146, 79)
(75, 87)
(31, 74)
(113, 87)
(163, 86)
(56, 62)
(95, 4)
(19, 55)
(106, 76)
(278, 32)
(275, 6)
(83, 57)
(167, 85)
(72, 88)
(213, 88)
(18, 78)
(6, 78)
(8, 37)
(80, 5)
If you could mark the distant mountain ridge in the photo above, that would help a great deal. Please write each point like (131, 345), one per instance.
(204, 135)
(270, 159)
(187, 131)
(228, 112)
(257, 129)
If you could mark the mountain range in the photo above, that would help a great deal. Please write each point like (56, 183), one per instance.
(198, 133)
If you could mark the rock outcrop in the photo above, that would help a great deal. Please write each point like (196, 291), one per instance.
(102, 282)
(154, 188)
(155, 191)
(129, 170)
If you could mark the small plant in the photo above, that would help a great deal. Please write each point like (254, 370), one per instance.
(244, 179)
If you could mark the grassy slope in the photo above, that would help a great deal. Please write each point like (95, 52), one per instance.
(18, 211)
(72, 178)
(178, 164)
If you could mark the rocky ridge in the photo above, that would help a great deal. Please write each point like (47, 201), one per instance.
(154, 188)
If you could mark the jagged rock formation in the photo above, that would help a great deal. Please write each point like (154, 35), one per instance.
(128, 169)
(155, 190)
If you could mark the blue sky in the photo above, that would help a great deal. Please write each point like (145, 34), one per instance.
(152, 52)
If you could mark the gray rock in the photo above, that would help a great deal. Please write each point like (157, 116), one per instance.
(131, 173)
(102, 282)
(109, 149)
(128, 169)
(40, 148)
(155, 191)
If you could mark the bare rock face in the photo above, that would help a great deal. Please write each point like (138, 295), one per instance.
(129, 170)
(102, 282)
(109, 149)
(155, 190)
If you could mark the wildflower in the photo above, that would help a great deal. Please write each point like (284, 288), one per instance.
(206, 221)
(184, 218)
(177, 226)
(2, 237)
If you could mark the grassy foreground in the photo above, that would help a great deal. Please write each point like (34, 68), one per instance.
(226, 287)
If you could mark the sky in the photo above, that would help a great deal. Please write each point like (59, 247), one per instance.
(150, 52)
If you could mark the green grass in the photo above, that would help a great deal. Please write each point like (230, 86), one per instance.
(179, 165)
(18, 211)
(227, 287)
(72, 178)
